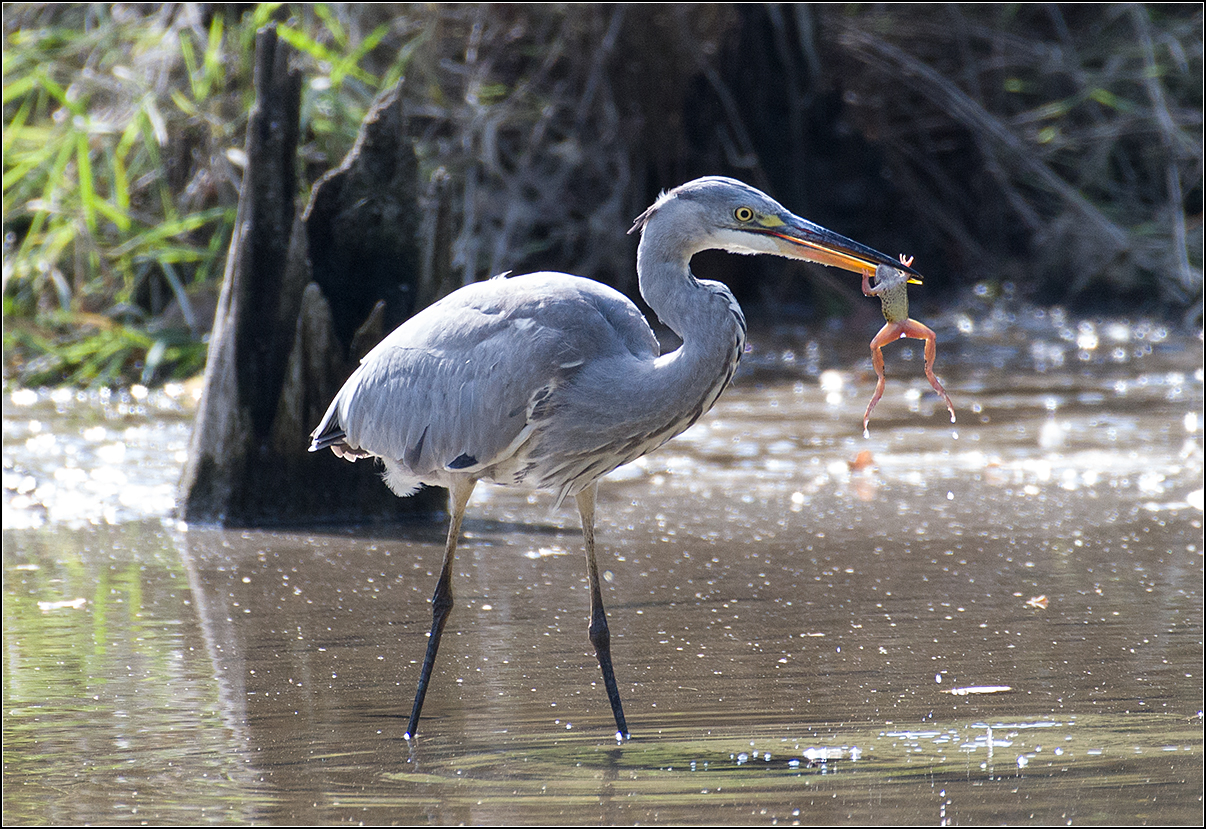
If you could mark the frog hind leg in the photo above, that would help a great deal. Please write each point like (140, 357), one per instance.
(916, 330)
(891, 331)
(894, 331)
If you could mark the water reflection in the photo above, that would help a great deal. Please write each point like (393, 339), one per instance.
(791, 607)
(110, 708)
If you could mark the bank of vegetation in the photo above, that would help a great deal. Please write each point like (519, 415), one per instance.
(1053, 149)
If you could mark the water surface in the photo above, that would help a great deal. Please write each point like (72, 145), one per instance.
(997, 621)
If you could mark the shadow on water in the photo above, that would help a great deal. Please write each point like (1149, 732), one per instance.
(999, 621)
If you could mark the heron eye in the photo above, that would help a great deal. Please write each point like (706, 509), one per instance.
(743, 214)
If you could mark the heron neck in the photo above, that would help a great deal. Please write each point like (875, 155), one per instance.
(672, 291)
(703, 314)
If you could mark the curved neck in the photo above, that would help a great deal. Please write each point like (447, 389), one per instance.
(703, 313)
(689, 307)
(636, 402)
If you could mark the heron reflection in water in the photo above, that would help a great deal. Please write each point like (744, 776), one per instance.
(550, 381)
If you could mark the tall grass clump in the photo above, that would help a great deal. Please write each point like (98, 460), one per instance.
(123, 137)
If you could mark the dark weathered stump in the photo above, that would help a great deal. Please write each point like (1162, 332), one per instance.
(302, 299)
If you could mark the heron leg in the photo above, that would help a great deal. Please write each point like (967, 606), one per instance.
(441, 602)
(600, 636)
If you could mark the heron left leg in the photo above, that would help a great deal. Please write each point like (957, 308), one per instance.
(441, 602)
(600, 636)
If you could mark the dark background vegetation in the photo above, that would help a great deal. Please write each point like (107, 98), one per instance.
(1048, 152)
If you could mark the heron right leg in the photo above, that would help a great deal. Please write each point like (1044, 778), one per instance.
(441, 602)
(600, 636)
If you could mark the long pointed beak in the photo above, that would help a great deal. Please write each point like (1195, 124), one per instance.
(801, 239)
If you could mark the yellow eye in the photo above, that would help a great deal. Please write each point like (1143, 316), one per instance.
(743, 214)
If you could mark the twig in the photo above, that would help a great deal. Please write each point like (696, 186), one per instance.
(983, 125)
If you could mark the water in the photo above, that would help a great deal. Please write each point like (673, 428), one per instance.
(997, 621)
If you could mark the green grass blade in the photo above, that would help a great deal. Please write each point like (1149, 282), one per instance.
(83, 162)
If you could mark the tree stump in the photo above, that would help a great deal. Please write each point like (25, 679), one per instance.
(303, 298)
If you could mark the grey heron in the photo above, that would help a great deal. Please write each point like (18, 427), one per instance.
(551, 381)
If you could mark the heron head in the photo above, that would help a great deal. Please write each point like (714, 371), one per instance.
(720, 212)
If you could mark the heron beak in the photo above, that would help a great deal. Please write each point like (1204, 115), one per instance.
(801, 239)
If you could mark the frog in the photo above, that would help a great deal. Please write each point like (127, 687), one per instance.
(892, 288)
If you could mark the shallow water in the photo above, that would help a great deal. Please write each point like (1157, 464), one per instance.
(998, 621)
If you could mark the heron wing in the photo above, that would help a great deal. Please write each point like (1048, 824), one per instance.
(460, 385)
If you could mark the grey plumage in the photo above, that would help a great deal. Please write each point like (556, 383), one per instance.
(453, 383)
(551, 381)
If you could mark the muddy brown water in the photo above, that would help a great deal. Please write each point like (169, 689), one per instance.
(997, 621)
